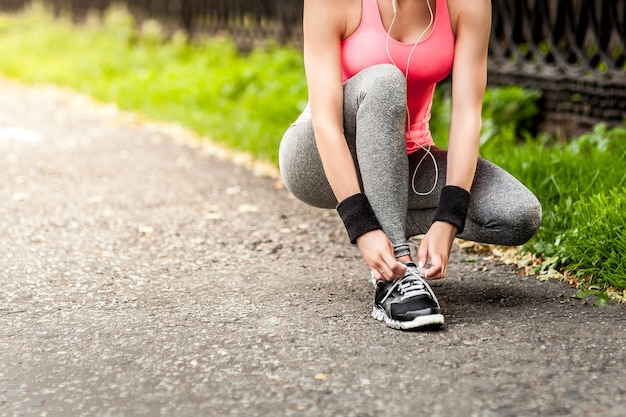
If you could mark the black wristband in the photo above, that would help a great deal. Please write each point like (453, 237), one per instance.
(453, 206)
(357, 216)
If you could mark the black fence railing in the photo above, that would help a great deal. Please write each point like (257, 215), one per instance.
(574, 51)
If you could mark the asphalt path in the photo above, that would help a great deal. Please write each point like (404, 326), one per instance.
(144, 272)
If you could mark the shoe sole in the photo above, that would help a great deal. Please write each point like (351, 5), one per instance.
(422, 321)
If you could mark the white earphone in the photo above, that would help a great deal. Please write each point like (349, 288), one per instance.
(408, 62)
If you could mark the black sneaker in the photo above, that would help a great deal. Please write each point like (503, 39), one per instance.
(407, 303)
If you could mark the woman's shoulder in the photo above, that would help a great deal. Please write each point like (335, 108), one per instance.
(478, 9)
(333, 7)
(345, 13)
(457, 7)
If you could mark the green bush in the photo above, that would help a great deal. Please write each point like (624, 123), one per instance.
(509, 115)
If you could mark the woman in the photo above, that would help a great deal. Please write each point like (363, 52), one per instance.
(363, 144)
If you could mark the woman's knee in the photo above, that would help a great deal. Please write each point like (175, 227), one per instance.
(508, 212)
(519, 223)
(382, 85)
(385, 74)
(528, 223)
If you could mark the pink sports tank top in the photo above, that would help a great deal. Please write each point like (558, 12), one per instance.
(431, 62)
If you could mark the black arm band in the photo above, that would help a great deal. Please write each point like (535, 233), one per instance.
(453, 206)
(357, 216)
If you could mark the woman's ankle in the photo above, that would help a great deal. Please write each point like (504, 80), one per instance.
(404, 259)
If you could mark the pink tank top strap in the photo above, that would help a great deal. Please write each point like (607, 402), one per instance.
(370, 14)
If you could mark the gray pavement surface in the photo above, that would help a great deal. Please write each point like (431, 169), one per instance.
(142, 275)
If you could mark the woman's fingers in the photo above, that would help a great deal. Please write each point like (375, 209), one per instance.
(390, 270)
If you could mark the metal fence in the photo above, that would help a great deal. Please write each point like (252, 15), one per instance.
(572, 50)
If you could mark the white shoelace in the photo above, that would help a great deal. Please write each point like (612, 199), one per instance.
(412, 285)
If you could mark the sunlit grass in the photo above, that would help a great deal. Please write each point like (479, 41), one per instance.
(244, 102)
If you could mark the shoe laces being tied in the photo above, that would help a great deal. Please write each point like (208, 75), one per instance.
(412, 285)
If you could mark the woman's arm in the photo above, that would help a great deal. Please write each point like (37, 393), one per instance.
(469, 79)
(325, 23)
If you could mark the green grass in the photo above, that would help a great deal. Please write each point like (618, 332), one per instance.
(582, 188)
(246, 102)
(563, 176)
(594, 245)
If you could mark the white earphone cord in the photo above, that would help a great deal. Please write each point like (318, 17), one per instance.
(408, 63)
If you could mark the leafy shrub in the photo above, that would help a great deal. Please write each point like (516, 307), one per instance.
(509, 114)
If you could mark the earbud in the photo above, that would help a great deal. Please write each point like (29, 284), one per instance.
(393, 6)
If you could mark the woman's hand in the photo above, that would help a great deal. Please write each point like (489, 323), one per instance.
(436, 245)
(377, 250)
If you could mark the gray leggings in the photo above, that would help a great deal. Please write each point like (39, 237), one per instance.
(502, 211)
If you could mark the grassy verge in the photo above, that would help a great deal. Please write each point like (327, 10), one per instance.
(246, 102)
(582, 188)
(242, 102)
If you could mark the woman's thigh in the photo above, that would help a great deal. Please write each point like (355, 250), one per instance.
(502, 210)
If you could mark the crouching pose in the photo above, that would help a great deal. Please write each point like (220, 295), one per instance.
(363, 144)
